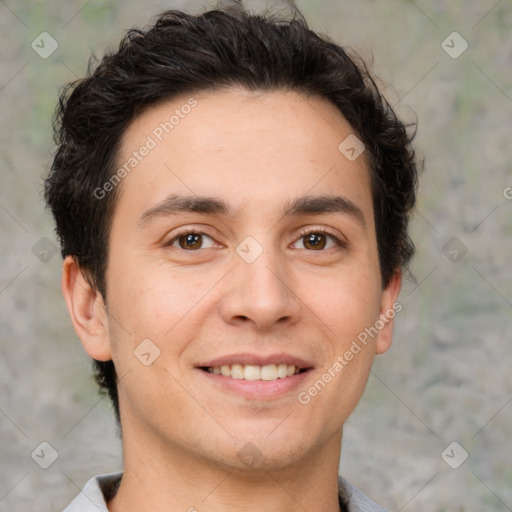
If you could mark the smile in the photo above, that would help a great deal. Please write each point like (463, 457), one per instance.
(268, 372)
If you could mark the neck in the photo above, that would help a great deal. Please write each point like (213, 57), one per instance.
(160, 476)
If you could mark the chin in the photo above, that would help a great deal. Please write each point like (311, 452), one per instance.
(268, 453)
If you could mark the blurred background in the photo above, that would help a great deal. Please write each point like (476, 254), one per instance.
(433, 431)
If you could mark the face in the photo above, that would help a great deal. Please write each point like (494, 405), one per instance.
(216, 300)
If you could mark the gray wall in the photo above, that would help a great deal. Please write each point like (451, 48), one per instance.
(447, 377)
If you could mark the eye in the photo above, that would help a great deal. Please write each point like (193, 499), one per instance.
(317, 239)
(190, 240)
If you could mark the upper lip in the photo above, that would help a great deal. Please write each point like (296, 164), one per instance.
(257, 360)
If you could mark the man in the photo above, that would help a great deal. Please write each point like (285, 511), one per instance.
(232, 196)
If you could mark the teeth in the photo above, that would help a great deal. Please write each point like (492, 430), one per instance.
(282, 371)
(254, 372)
(269, 372)
(237, 371)
(250, 372)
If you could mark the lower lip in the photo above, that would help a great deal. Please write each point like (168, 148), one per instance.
(257, 389)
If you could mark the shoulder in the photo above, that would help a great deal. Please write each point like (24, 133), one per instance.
(95, 494)
(355, 500)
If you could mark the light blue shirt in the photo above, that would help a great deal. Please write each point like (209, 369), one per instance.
(96, 492)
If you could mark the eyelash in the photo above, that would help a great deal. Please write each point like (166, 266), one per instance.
(340, 243)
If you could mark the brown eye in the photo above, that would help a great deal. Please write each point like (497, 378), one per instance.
(318, 240)
(315, 241)
(190, 241)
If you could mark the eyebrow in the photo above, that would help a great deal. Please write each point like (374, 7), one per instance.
(305, 205)
(317, 205)
(174, 204)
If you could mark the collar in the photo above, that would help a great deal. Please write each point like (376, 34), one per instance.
(100, 489)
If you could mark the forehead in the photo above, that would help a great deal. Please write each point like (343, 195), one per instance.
(244, 146)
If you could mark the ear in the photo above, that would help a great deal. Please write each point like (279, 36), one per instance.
(87, 311)
(389, 308)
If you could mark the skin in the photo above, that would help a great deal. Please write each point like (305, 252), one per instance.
(181, 435)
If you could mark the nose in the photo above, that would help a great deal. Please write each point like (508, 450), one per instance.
(260, 293)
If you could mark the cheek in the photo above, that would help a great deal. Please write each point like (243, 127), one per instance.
(347, 303)
(150, 304)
